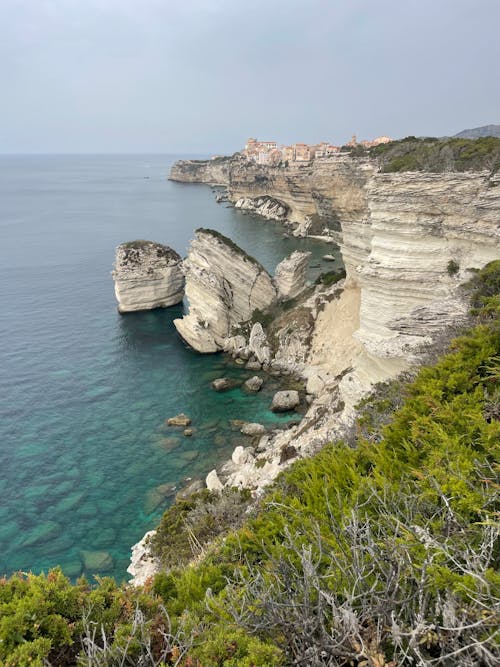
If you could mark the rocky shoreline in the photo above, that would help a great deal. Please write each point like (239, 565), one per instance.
(408, 241)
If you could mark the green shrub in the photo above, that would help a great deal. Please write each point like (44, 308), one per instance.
(330, 277)
(189, 525)
(439, 155)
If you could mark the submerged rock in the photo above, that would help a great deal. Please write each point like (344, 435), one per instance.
(104, 538)
(155, 497)
(147, 275)
(72, 568)
(242, 455)
(97, 561)
(41, 533)
(168, 444)
(283, 401)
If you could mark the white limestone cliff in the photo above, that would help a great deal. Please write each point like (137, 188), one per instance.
(399, 257)
(224, 286)
(290, 274)
(147, 275)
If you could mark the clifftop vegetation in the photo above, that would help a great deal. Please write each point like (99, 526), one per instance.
(438, 155)
(381, 554)
(230, 244)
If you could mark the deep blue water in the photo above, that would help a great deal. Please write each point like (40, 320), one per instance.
(84, 392)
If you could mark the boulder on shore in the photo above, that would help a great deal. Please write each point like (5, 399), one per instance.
(258, 344)
(213, 482)
(158, 495)
(97, 561)
(253, 428)
(147, 275)
(242, 455)
(253, 384)
(283, 401)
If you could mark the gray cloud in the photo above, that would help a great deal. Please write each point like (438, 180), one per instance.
(202, 75)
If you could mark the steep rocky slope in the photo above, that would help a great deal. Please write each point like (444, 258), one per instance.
(147, 275)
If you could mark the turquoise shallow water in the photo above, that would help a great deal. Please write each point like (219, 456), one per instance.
(84, 392)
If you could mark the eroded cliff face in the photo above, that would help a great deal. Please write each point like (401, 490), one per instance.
(147, 275)
(326, 191)
(423, 235)
(223, 286)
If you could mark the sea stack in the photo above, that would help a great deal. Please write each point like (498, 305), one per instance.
(290, 275)
(224, 287)
(147, 275)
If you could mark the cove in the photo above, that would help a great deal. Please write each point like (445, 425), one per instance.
(87, 462)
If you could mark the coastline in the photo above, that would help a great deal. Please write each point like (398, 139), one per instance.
(368, 349)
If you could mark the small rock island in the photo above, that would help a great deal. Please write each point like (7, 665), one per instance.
(147, 275)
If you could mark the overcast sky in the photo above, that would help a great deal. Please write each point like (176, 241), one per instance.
(203, 75)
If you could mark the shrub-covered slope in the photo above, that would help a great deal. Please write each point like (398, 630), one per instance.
(439, 155)
(382, 554)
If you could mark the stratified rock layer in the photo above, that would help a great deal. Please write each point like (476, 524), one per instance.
(224, 287)
(147, 275)
(290, 275)
(398, 257)
(315, 195)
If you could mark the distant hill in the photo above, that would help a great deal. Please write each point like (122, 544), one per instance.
(477, 132)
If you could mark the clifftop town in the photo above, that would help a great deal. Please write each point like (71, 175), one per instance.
(269, 152)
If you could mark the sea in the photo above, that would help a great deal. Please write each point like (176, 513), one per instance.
(87, 463)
